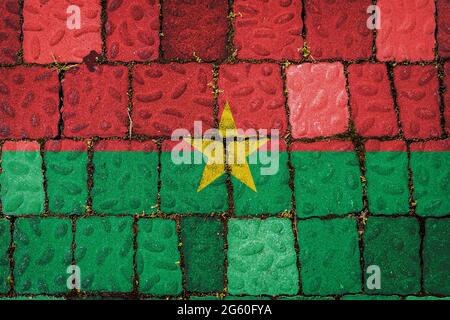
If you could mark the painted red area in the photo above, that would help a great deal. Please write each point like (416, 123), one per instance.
(394, 145)
(443, 20)
(65, 145)
(21, 146)
(9, 31)
(124, 145)
(436, 146)
(326, 145)
(447, 96)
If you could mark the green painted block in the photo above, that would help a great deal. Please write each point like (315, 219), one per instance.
(43, 251)
(436, 256)
(158, 257)
(104, 253)
(203, 250)
(426, 298)
(329, 256)
(249, 298)
(393, 245)
(5, 239)
(305, 298)
(261, 257)
(369, 297)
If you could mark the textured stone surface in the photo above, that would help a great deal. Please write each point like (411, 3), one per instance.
(10, 31)
(5, 238)
(443, 20)
(447, 96)
(369, 297)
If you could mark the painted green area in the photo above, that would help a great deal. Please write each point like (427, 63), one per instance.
(426, 298)
(104, 253)
(22, 188)
(38, 297)
(329, 256)
(369, 297)
(5, 239)
(158, 257)
(204, 256)
(261, 257)
(327, 183)
(305, 298)
(125, 182)
(387, 182)
(43, 251)
(66, 174)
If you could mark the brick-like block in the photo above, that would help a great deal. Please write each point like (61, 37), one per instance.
(418, 100)
(125, 177)
(366, 297)
(104, 253)
(28, 103)
(407, 30)
(21, 179)
(443, 20)
(204, 256)
(270, 29)
(66, 173)
(5, 239)
(255, 95)
(194, 29)
(317, 99)
(158, 257)
(50, 31)
(10, 31)
(371, 100)
(172, 96)
(43, 251)
(329, 256)
(95, 103)
(132, 30)
(261, 257)
(393, 245)
(447, 96)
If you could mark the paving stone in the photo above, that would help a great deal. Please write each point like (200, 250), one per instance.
(28, 103)
(270, 29)
(426, 298)
(172, 96)
(261, 257)
(329, 256)
(104, 253)
(43, 251)
(369, 297)
(158, 257)
(5, 239)
(305, 298)
(317, 99)
(447, 96)
(443, 35)
(10, 31)
(125, 177)
(95, 103)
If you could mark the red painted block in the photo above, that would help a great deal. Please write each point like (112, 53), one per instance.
(317, 99)
(418, 100)
(29, 99)
(125, 145)
(443, 20)
(132, 30)
(431, 146)
(447, 96)
(21, 146)
(371, 101)
(407, 30)
(255, 95)
(65, 145)
(388, 146)
(47, 36)
(195, 29)
(95, 103)
(338, 30)
(326, 145)
(9, 31)
(172, 96)
(269, 29)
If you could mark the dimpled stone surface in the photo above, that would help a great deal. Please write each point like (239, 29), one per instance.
(436, 260)
(172, 96)
(204, 257)
(317, 99)
(337, 29)
(418, 100)
(5, 238)
(447, 96)
(261, 257)
(95, 103)
(393, 245)
(329, 256)
(407, 30)
(443, 20)
(269, 29)
(10, 31)
(158, 257)
(42, 254)
(28, 103)
(104, 253)
(132, 30)
(370, 100)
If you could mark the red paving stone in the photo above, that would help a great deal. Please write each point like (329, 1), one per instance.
(376, 145)
(121, 145)
(171, 96)
(270, 29)
(447, 96)
(95, 103)
(443, 36)
(21, 146)
(65, 145)
(9, 31)
(47, 37)
(132, 30)
(28, 103)
(418, 100)
(437, 146)
(326, 145)
(317, 99)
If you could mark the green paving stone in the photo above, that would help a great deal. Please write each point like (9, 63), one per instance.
(426, 298)
(104, 253)
(204, 257)
(329, 256)
(5, 239)
(158, 257)
(245, 298)
(327, 183)
(43, 251)
(38, 297)
(261, 257)
(305, 298)
(369, 297)
(204, 298)
(393, 245)
(436, 256)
